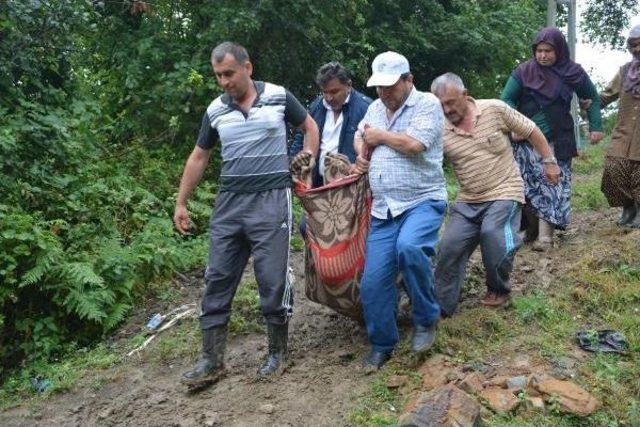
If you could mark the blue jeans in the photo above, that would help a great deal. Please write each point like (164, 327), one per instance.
(405, 243)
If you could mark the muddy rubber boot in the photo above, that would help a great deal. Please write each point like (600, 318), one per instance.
(635, 223)
(545, 236)
(531, 220)
(210, 367)
(629, 212)
(275, 361)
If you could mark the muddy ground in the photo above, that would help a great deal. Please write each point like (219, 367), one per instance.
(319, 389)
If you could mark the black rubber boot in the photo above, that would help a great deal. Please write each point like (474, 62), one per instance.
(530, 220)
(210, 367)
(635, 223)
(629, 212)
(275, 361)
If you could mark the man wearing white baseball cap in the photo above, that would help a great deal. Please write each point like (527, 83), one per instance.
(401, 134)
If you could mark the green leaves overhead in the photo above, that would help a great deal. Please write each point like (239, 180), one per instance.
(147, 83)
(604, 21)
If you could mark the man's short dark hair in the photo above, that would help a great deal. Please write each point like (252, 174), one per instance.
(234, 49)
(330, 71)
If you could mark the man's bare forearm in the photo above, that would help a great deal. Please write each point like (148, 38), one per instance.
(403, 143)
(193, 171)
(311, 136)
(358, 145)
(539, 143)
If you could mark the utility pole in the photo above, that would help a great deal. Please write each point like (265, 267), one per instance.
(575, 111)
(572, 28)
(551, 13)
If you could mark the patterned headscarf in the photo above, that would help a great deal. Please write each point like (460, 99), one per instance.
(548, 83)
(631, 81)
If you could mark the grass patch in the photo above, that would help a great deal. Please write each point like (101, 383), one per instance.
(599, 291)
(62, 375)
(453, 187)
(586, 194)
(532, 308)
(587, 170)
(381, 406)
(591, 159)
(182, 342)
(297, 242)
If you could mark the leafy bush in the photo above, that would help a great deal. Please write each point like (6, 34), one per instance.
(84, 224)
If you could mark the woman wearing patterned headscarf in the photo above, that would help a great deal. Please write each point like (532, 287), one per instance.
(541, 89)
(621, 177)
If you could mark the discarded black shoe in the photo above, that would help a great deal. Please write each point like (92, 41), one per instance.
(604, 341)
(423, 338)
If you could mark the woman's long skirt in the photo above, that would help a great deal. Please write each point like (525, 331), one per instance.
(548, 201)
(621, 181)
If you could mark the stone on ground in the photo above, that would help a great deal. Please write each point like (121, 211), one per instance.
(445, 406)
(572, 398)
(500, 400)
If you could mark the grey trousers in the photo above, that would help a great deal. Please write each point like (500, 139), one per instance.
(243, 224)
(493, 225)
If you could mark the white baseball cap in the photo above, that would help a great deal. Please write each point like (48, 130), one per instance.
(387, 68)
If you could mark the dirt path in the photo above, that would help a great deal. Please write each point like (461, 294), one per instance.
(318, 390)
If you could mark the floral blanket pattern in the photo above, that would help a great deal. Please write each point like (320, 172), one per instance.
(338, 217)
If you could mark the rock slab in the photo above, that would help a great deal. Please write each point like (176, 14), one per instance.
(444, 406)
(572, 398)
(500, 400)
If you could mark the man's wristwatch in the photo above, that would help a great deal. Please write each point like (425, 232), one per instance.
(551, 160)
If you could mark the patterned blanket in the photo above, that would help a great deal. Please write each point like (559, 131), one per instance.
(338, 217)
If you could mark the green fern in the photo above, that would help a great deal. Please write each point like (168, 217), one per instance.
(116, 314)
(44, 264)
(81, 272)
(88, 304)
(87, 296)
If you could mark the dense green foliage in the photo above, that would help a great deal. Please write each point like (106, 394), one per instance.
(85, 217)
(604, 20)
(100, 103)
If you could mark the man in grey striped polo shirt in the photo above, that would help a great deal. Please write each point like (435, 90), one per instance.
(252, 213)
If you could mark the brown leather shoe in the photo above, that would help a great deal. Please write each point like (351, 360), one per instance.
(488, 298)
(492, 299)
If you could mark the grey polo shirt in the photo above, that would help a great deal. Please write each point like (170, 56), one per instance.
(253, 144)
